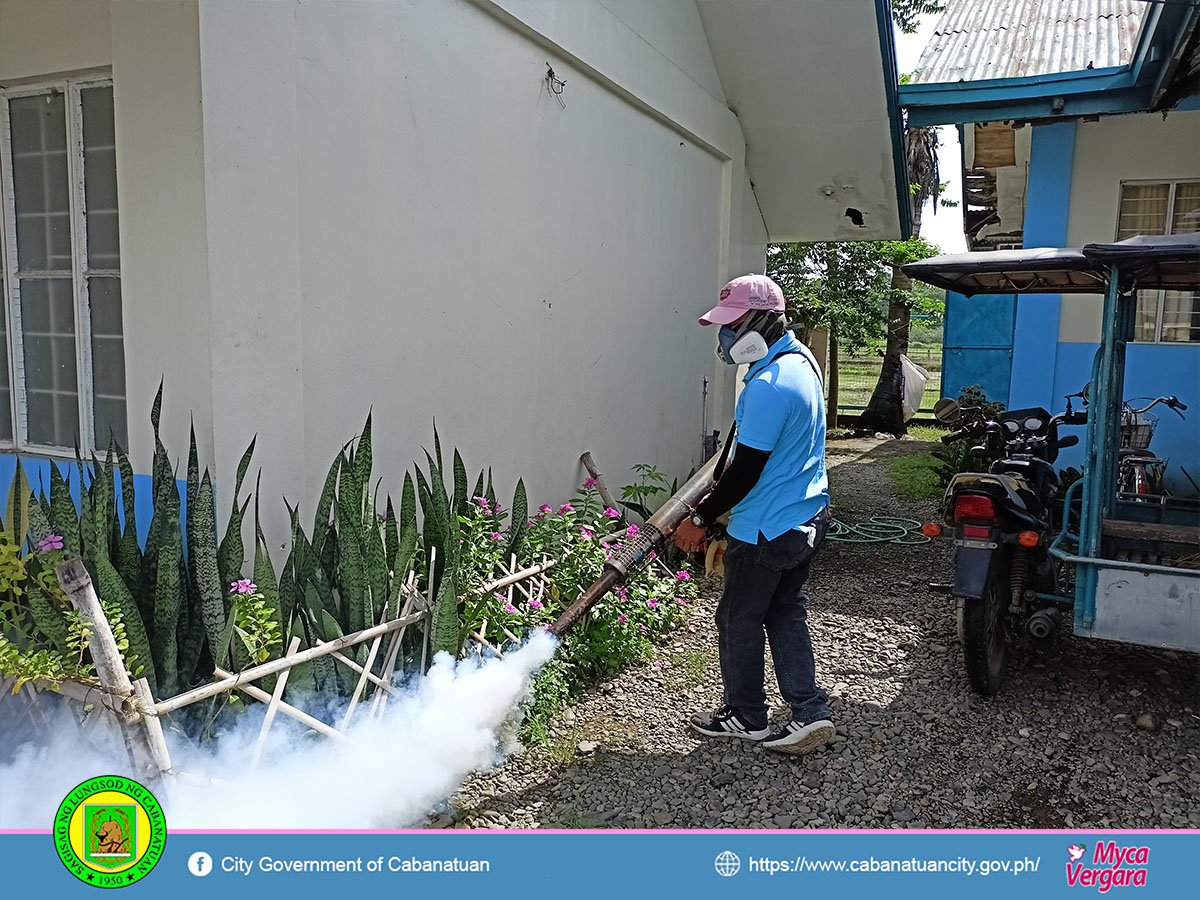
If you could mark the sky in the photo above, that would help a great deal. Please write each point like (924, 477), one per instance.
(945, 227)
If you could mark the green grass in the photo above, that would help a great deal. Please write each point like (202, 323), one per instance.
(916, 477)
(691, 666)
(931, 433)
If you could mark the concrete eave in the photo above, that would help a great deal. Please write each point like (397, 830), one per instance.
(812, 84)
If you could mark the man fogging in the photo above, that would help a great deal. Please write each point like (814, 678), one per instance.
(777, 496)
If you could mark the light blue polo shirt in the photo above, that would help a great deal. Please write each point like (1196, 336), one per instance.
(782, 409)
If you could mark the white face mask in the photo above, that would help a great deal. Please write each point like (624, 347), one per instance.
(736, 348)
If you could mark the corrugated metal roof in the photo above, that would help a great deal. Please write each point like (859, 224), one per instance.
(981, 39)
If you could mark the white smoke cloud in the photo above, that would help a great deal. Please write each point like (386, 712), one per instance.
(462, 717)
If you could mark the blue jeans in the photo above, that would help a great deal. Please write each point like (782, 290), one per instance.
(764, 589)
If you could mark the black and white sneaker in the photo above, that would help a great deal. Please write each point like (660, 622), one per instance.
(798, 738)
(725, 723)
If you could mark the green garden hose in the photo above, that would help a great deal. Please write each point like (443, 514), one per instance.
(877, 530)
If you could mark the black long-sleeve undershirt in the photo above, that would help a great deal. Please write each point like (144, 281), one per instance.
(735, 483)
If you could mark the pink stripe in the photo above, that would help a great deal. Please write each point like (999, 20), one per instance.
(606, 831)
(709, 831)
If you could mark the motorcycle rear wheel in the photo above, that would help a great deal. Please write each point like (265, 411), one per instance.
(985, 644)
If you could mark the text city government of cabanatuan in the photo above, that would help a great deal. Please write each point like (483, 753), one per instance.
(271, 865)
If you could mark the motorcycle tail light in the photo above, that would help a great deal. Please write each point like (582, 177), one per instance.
(1028, 538)
(1141, 488)
(931, 529)
(974, 506)
(976, 531)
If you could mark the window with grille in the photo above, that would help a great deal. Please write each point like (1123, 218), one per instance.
(62, 355)
(1162, 207)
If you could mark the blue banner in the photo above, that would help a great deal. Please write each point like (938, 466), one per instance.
(630, 864)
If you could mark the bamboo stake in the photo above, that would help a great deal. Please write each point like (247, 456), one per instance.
(286, 708)
(515, 577)
(110, 668)
(362, 681)
(351, 664)
(601, 487)
(276, 697)
(379, 702)
(278, 665)
(143, 741)
(154, 731)
(429, 608)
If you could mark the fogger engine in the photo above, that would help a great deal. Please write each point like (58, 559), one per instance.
(659, 528)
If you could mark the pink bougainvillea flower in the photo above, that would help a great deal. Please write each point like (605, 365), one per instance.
(535, 604)
(658, 665)
(497, 536)
(682, 575)
(622, 619)
(642, 626)
(653, 555)
(611, 513)
(589, 482)
(545, 508)
(681, 601)
(50, 542)
(482, 501)
(652, 603)
(633, 529)
(566, 508)
(498, 595)
(243, 586)
(510, 609)
(587, 533)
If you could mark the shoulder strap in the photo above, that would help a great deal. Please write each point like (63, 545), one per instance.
(720, 468)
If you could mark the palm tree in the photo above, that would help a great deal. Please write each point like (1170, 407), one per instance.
(885, 411)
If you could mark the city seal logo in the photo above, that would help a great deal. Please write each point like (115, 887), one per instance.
(110, 831)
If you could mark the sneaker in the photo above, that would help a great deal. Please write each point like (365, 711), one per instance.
(725, 723)
(798, 739)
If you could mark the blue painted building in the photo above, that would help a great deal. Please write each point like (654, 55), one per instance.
(1080, 123)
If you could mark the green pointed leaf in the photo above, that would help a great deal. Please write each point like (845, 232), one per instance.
(129, 554)
(461, 499)
(206, 570)
(112, 589)
(362, 461)
(518, 519)
(16, 514)
(64, 515)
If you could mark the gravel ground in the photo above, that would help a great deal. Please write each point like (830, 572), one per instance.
(1086, 734)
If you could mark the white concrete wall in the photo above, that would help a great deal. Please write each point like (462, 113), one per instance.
(1107, 152)
(399, 217)
(153, 53)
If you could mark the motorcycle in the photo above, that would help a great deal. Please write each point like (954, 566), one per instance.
(1003, 522)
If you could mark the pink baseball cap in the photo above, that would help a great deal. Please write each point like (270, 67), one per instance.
(749, 292)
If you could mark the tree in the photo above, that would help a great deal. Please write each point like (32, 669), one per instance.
(844, 288)
(906, 13)
(885, 410)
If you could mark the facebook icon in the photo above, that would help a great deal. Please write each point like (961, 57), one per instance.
(200, 864)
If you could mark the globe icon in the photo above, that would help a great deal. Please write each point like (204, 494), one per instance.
(727, 863)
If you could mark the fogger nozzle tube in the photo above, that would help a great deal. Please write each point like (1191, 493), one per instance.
(658, 528)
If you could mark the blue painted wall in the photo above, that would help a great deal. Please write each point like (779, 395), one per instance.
(978, 344)
(37, 471)
(1047, 202)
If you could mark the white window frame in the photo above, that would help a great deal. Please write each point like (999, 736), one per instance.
(71, 87)
(1172, 184)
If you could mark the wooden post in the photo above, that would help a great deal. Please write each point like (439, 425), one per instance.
(276, 698)
(601, 487)
(139, 725)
